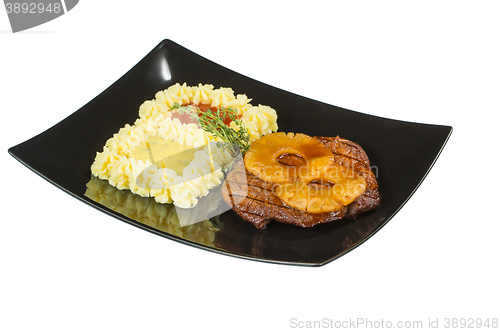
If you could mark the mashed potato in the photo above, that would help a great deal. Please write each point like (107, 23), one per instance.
(159, 156)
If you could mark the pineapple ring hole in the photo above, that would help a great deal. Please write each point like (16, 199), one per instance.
(320, 184)
(289, 159)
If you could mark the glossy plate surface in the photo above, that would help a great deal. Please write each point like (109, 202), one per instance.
(401, 154)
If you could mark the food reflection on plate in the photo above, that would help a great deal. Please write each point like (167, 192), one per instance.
(288, 243)
(224, 231)
(163, 217)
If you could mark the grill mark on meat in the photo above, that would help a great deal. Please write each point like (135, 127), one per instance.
(260, 211)
(257, 203)
(344, 147)
(256, 193)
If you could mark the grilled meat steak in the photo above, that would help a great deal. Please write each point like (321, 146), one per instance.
(254, 200)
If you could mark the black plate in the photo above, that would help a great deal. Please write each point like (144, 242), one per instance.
(401, 154)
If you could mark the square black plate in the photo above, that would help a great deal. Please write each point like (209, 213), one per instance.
(401, 154)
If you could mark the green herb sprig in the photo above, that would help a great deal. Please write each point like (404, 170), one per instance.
(213, 122)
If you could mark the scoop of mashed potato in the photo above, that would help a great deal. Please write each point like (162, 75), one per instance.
(129, 162)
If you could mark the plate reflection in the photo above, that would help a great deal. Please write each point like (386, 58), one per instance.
(163, 217)
(227, 232)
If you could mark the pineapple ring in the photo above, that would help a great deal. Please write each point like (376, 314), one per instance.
(263, 157)
(318, 185)
(323, 192)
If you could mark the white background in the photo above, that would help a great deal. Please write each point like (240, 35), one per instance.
(68, 267)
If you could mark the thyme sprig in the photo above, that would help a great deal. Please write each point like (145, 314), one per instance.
(235, 139)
